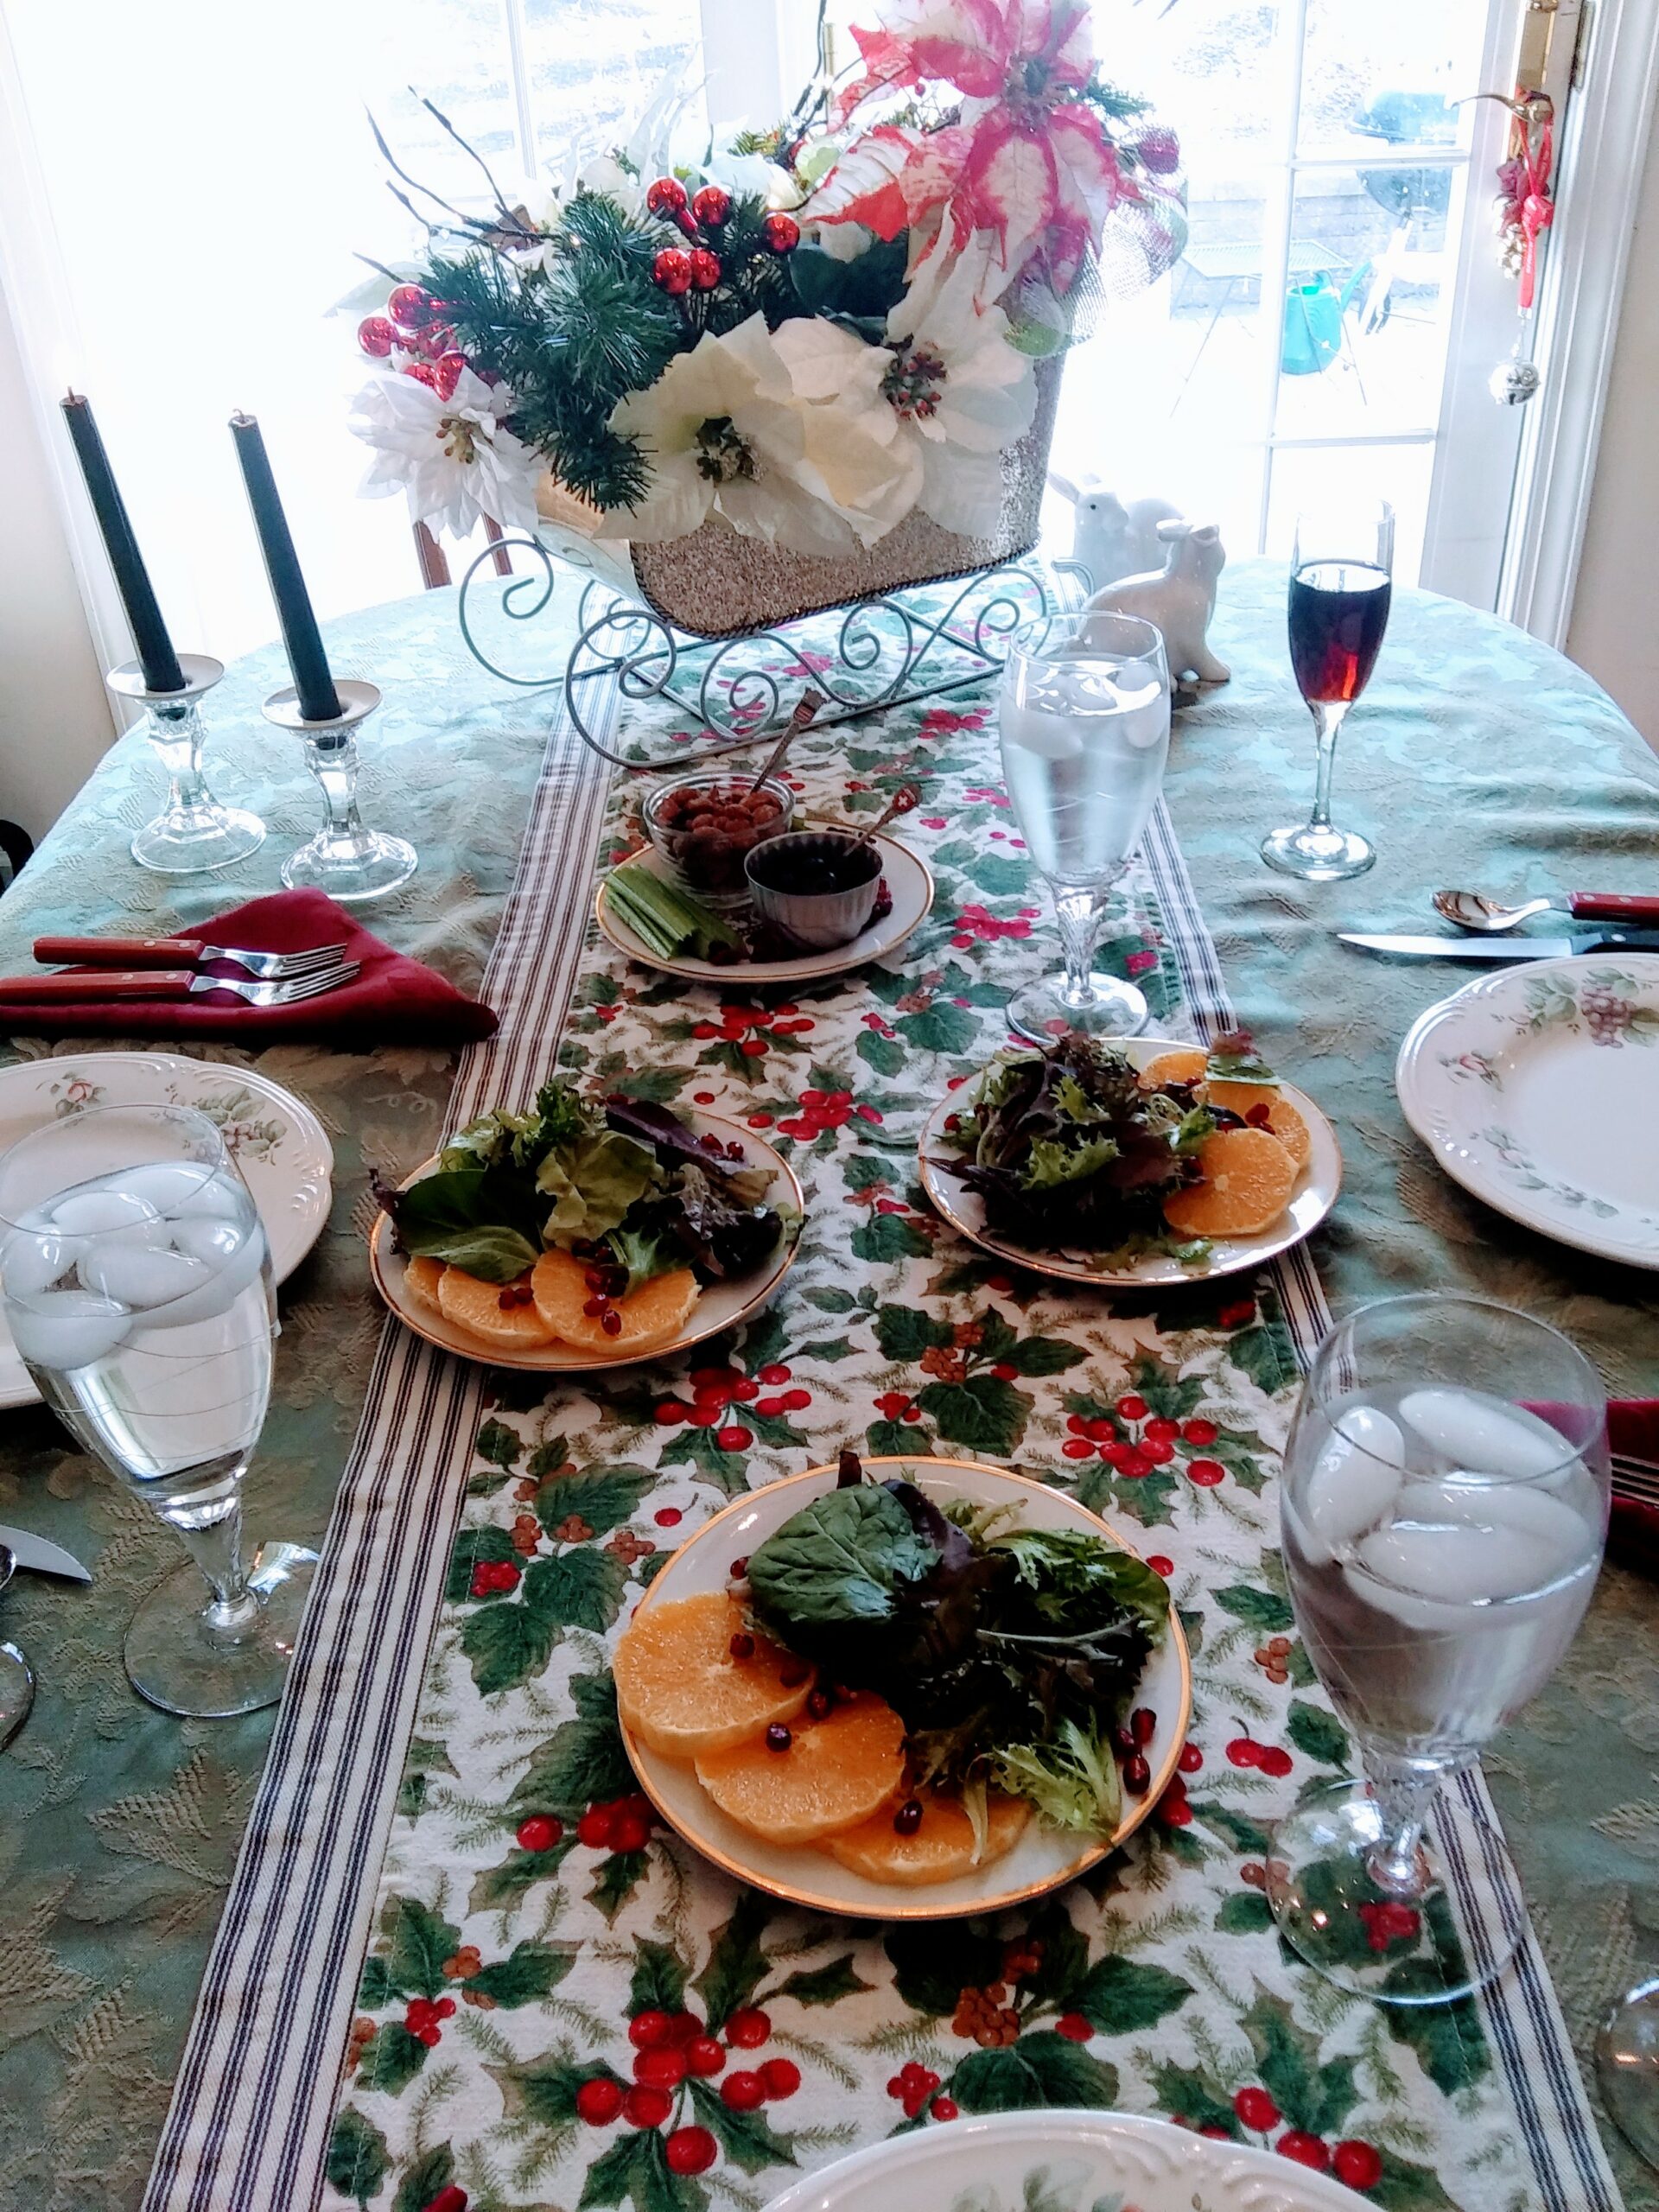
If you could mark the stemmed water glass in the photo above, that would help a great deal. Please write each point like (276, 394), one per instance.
(1084, 722)
(1443, 1513)
(1341, 584)
(136, 1279)
(1627, 2066)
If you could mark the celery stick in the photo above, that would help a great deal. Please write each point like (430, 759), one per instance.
(664, 916)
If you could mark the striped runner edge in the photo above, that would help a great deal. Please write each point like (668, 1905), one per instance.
(1520, 2010)
(248, 2125)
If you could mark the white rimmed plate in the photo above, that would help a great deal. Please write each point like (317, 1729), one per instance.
(1008, 2161)
(910, 886)
(277, 1141)
(720, 1306)
(1538, 1090)
(1043, 1858)
(1314, 1195)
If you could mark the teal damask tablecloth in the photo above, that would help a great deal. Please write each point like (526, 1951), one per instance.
(1477, 757)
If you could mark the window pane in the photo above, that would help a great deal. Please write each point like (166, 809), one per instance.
(1389, 75)
(595, 66)
(1400, 474)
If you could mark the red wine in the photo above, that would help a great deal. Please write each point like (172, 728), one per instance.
(1338, 612)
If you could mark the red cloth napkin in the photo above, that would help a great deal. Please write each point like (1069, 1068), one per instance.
(393, 1000)
(1633, 1532)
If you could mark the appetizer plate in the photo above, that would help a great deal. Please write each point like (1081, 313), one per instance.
(1043, 1858)
(1535, 1087)
(276, 1139)
(910, 886)
(720, 1306)
(1311, 1199)
(1068, 2161)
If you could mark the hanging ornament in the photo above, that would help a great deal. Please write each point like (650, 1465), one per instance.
(446, 373)
(411, 308)
(704, 267)
(666, 196)
(1160, 151)
(423, 373)
(376, 336)
(712, 207)
(672, 270)
(1514, 382)
(1525, 208)
(781, 232)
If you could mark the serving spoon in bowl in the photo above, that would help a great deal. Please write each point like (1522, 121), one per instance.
(1473, 911)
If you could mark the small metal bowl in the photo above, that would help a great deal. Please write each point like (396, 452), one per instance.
(707, 861)
(817, 920)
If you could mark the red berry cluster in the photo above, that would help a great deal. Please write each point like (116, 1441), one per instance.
(1357, 2164)
(1386, 1923)
(413, 327)
(823, 1110)
(914, 2087)
(425, 2016)
(714, 1389)
(493, 1576)
(609, 1824)
(1270, 1758)
(898, 1405)
(672, 2048)
(743, 1026)
(1138, 1441)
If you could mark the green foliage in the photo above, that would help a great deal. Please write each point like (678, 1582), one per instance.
(358, 2159)
(499, 1443)
(391, 2059)
(474, 1548)
(529, 1972)
(582, 1762)
(747, 2138)
(605, 1498)
(1310, 2096)
(658, 1982)
(737, 1965)
(1044, 2068)
(1319, 1734)
(984, 1414)
(1257, 1609)
(906, 1332)
(934, 1962)
(888, 1237)
(431, 2172)
(1120, 1996)
(825, 1985)
(1247, 1912)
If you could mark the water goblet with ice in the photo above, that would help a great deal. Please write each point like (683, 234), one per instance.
(1084, 723)
(135, 1277)
(1443, 1512)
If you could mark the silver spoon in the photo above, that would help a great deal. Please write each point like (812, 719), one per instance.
(1473, 910)
(16, 1675)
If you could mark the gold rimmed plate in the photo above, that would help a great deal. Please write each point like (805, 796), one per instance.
(719, 1304)
(1044, 1858)
(910, 886)
(1314, 1195)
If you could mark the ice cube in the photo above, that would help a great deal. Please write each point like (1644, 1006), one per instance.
(227, 1274)
(1354, 1482)
(178, 1187)
(1482, 1436)
(67, 1329)
(33, 1259)
(1480, 1503)
(107, 1211)
(212, 1240)
(138, 1276)
(1453, 1548)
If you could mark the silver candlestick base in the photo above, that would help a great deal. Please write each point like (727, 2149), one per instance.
(193, 835)
(350, 863)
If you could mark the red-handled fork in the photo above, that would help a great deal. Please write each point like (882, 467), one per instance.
(65, 989)
(181, 951)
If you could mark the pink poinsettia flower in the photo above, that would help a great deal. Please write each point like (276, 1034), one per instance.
(1028, 170)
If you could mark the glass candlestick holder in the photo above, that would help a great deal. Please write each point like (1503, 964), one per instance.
(193, 835)
(350, 863)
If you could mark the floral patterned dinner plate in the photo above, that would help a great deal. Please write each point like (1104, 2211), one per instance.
(1044, 1858)
(274, 1137)
(1064, 2162)
(1537, 1089)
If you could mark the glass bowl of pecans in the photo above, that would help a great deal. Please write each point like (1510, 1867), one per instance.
(704, 826)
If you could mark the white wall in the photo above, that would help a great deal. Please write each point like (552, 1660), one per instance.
(1614, 630)
(54, 713)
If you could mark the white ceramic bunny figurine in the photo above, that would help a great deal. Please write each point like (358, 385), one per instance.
(1110, 539)
(1180, 598)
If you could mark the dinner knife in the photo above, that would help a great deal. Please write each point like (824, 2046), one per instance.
(1494, 952)
(32, 1550)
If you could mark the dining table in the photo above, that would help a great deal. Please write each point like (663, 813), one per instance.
(218, 1990)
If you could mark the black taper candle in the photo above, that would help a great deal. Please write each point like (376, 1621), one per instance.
(319, 701)
(150, 641)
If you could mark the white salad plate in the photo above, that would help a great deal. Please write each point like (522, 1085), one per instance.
(1537, 1089)
(1058, 2161)
(1312, 1198)
(910, 886)
(1043, 1857)
(719, 1304)
(274, 1138)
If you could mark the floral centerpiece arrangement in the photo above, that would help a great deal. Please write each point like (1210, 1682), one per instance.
(833, 337)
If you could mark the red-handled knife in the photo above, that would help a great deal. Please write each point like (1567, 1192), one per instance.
(69, 988)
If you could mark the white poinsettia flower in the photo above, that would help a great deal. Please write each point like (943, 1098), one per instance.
(455, 458)
(966, 393)
(726, 433)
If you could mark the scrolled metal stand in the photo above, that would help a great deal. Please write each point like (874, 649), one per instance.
(929, 640)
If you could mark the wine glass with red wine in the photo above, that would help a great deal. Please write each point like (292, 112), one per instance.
(1341, 572)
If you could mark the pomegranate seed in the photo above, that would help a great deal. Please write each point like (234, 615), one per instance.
(1137, 1774)
(779, 1737)
(611, 1322)
(1143, 1721)
(741, 1645)
(908, 1818)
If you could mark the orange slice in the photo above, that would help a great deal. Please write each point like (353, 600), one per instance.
(654, 1314)
(1286, 1123)
(835, 1773)
(421, 1279)
(1248, 1179)
(476, 1307)
(682, 1691)
(938, 1850)
(1185, 1064)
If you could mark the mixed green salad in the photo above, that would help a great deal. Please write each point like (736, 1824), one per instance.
(1012, 1654)
(616, 1180)
(1069, 1153)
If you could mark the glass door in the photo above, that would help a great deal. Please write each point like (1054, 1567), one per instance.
(1339, 307)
